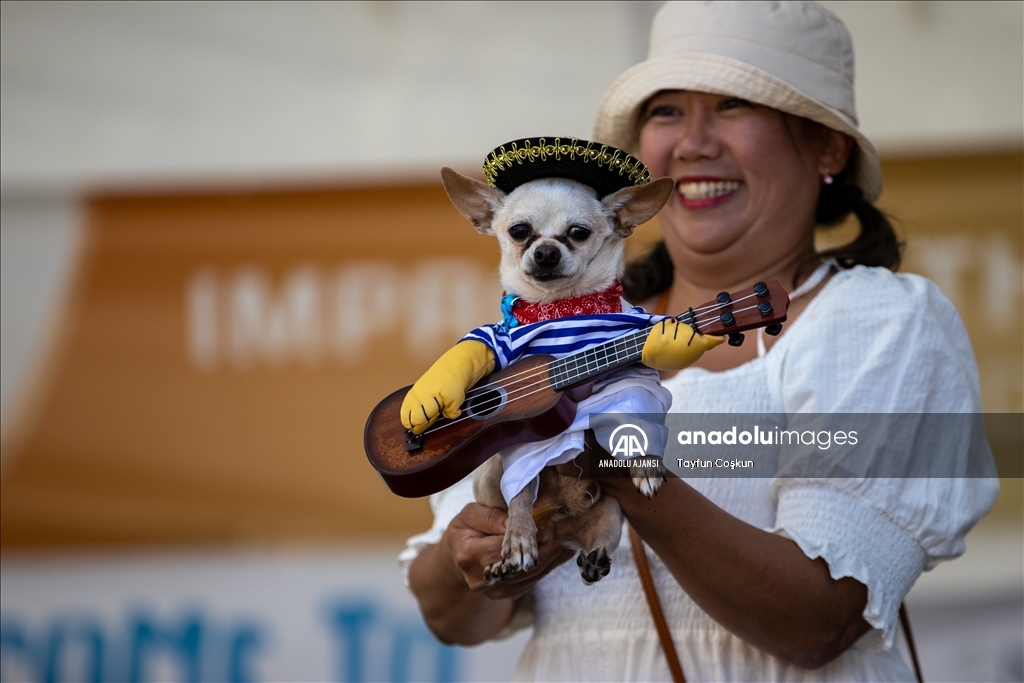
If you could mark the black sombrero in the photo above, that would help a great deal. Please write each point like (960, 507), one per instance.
(602, 167)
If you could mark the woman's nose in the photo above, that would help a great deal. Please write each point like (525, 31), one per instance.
(697, 139)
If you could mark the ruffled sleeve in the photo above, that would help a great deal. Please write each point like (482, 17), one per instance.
(876, 342)
(445, 505)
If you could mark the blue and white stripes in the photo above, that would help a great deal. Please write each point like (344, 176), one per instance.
(561, 336)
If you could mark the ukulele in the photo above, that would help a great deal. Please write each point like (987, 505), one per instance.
(535, 398)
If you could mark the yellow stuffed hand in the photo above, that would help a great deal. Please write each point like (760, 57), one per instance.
(672, 345)
(442, 388)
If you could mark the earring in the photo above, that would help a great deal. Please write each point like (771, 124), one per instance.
(827, 179)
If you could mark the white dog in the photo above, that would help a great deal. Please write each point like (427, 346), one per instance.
(559, 239)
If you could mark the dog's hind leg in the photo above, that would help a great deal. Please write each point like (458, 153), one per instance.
(487, 484)
(598, 534)
(519, 547)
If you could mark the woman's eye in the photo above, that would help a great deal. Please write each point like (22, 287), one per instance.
(735, 102)
(519, 231)
(578, 233)
(662, 110)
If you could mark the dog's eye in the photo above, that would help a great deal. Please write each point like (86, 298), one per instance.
(519, 231)
(578, 233)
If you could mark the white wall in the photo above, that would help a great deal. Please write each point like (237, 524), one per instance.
(938, 76)
(95, 93)
(101, 92)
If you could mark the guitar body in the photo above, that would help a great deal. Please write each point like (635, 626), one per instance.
(451, 449)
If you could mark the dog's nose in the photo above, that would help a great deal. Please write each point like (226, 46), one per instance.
(547, 255)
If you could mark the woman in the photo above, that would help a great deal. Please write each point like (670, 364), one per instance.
(749, 106)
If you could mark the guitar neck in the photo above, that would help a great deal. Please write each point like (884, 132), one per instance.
(763, 305)
(597, 360)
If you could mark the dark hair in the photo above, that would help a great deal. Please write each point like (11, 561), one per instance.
(876, 245)
(648, 275)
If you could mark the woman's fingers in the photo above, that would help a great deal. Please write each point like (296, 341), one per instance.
(474, 539)
(482, 520)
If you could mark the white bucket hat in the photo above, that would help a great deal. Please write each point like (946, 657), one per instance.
(796, 57)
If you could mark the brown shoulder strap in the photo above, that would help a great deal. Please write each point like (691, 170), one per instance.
(659, 308)
(664, 635)
(905, 620)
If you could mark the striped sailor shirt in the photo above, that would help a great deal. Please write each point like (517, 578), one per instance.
(560, 336)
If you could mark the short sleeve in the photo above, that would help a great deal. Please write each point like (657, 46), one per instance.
(876, 342)
(497, 340)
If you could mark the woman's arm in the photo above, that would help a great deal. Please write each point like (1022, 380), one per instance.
(457, 604)
(757, 584)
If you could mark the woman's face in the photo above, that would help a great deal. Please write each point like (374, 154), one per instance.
(747, 178)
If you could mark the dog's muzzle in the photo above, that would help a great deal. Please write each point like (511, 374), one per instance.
(546, 259)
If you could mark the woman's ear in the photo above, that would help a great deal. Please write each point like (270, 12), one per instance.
(835, 152)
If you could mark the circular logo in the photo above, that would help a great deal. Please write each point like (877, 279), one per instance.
(625, 441)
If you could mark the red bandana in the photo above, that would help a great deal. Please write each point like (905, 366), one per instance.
(608, 301)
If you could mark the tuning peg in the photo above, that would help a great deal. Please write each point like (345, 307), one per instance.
(774, 329)
(736, 339)
(761, 290)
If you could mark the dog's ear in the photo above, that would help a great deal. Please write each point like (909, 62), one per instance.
(637, 204)
(475, 200)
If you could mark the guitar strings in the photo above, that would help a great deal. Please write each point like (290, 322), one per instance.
(710, 316)
(517, 395)
(633, 338)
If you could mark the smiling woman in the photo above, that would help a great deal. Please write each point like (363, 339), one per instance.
(753, 183)
(747, 182)
(749, 107)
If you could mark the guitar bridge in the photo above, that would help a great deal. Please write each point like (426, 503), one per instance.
(413, 442)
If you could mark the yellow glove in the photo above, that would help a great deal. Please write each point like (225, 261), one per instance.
(672, 345)
(442, 388)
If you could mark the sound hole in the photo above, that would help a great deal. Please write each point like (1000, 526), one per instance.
(486, 404)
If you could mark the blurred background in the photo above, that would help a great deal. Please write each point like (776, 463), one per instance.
(224, 239)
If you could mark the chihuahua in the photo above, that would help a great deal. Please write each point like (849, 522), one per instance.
(558, 240)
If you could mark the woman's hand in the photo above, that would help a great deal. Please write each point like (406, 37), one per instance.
(457, 603)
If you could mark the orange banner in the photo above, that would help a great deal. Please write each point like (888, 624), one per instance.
(222, 353)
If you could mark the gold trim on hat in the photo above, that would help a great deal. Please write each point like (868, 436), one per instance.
(614, 159)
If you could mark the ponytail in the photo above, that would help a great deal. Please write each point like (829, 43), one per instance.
(876, 245)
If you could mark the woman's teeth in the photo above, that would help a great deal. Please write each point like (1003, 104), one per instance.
(706, 190)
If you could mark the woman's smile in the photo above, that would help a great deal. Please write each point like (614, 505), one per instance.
(703, 192)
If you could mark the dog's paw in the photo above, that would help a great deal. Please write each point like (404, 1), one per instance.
(495, 572)
(519, 551)
(648, 486)
(647, 480)
(594, 565)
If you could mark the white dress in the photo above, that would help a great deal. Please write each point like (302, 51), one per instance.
(870, 341)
